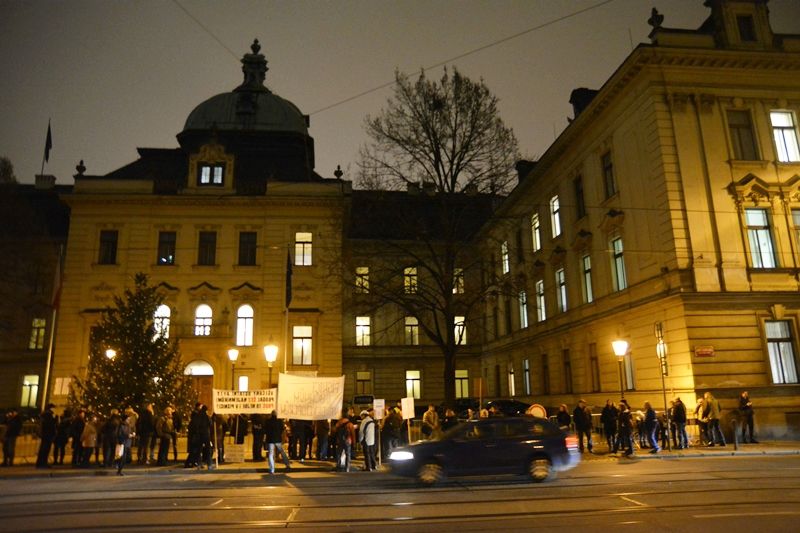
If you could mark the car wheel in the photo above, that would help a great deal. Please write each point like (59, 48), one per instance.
(430, 474)
(540, 469)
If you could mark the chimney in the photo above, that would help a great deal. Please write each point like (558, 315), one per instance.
(523, 168)
(45, 182)
(581, 98)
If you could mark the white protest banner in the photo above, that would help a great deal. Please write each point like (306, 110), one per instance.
(246, 402)
(379, 404)
(407, 405)
(310, 398)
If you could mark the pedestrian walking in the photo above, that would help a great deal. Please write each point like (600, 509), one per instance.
(274, 439)
(651, 427)
(125, 434)
(715, 435)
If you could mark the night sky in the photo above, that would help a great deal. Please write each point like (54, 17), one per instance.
(116, 75)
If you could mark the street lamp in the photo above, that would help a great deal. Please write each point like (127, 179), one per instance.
(661, 351)
(111, 354)
(620, 349)
(270, 354)
(233, 355)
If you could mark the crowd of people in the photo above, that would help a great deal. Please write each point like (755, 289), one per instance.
(111, 438)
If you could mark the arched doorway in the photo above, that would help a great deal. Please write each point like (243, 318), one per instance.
(202, 375)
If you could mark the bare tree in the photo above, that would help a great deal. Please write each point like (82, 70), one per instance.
(7, 171)
(447, 133)
(444, 145)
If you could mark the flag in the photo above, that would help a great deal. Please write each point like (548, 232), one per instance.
(48, 144)
(288, 278)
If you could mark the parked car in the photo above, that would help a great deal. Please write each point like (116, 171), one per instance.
(509, 407)
(490, 446)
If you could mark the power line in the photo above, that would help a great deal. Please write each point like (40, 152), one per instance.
(468, 53)
(206, 29)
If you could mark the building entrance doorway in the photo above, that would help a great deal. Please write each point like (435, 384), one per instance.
(202, 376)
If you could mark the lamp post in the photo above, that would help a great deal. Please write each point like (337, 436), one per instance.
(620, 348)
(233, 355)
(661, 351)
(270, 354)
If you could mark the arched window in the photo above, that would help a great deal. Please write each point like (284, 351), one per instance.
(161, 321)
(198, 368)
(202, 320)
(244, 326)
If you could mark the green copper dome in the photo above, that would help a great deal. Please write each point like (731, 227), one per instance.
(249, 107)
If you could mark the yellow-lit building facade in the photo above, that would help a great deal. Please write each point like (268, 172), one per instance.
(669, 208)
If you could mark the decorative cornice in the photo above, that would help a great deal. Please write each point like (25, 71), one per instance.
(204, 291)
(246, 292)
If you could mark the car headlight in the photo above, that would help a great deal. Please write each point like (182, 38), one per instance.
(401, 456)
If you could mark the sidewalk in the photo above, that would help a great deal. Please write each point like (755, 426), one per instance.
(22, 470)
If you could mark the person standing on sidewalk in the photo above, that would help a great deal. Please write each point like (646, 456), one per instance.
(715, 435)
(274, 434)
(47, 433)
(679, 418)
(625, 429)
(123, 440)
(13, 424)
(746, 412)
(651, 427)
(146, 427)
(582, 418)
(609, 417)
(366, 436)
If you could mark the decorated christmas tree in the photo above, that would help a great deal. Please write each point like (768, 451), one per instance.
(132, 360)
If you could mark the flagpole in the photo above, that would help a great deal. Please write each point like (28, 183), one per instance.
(287, 301)
(53, 318)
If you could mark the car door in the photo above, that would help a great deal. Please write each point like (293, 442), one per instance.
(472, 450)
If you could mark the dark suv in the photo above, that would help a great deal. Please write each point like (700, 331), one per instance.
(490, 446)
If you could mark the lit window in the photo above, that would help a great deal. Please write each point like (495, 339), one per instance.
(210, 175)
(248, 245)
(161, 321)
(301, 345)
(458, 281)
(740, 127)
(302, 249)
(30, 391)
(536, 234)
(586, 268)
(410, 280)
(523, 309)
(38, 327)
(609, 180)
(541, 314)
(411, 331)
(244, 326)
(413, 384)
(555, 216)
(363, 382)
(505, 264)
(362, 280)
(620, 280)
(202, 320)
(561, 290)
(784, 131)
(628, 372)
(244, 383)
(512, 385)
(462, 383)
(460, 330)
(108, 247)
(207, 248)
(166, 247)
(362, 331)
(526, 376)
(796, 223)
(781, 351)
(760, 238)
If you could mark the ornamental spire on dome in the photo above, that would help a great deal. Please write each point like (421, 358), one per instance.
(254, 67)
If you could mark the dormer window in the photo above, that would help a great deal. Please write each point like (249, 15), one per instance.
(210, 175)
(747, 28)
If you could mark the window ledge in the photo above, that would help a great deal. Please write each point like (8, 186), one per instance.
(205, 267)
(747, 164)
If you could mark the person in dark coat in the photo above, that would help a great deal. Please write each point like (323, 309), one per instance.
(562, 418)
(679, 419)
(47, 432)
(13, 423)
(322, 429)
(220, 425)
(651, 427)
(194, 440)
(109, 436)
(747, 416)
(608, 417)
(582, 418)
(257, 427)
(177, 426)
(62, 437)
(76, 427)
(274, 427)
(146, 427)
(625, 429)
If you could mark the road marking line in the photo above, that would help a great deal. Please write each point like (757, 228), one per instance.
(634, 501)
(764, 513)
(291, 516)
(216, 502)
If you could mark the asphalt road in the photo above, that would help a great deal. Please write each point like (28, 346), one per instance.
(703, 494)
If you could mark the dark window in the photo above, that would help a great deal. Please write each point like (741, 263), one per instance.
(520, 254)
(545, 375)
(594, 365)
(742, 138)
(580, 204)
(108, 247)
(210, 175)
(207, 248)
(247, 248)
(567, 372)
(495, 323)
(166, 247)
(747, 28)
(609, 181)
(509, 328)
